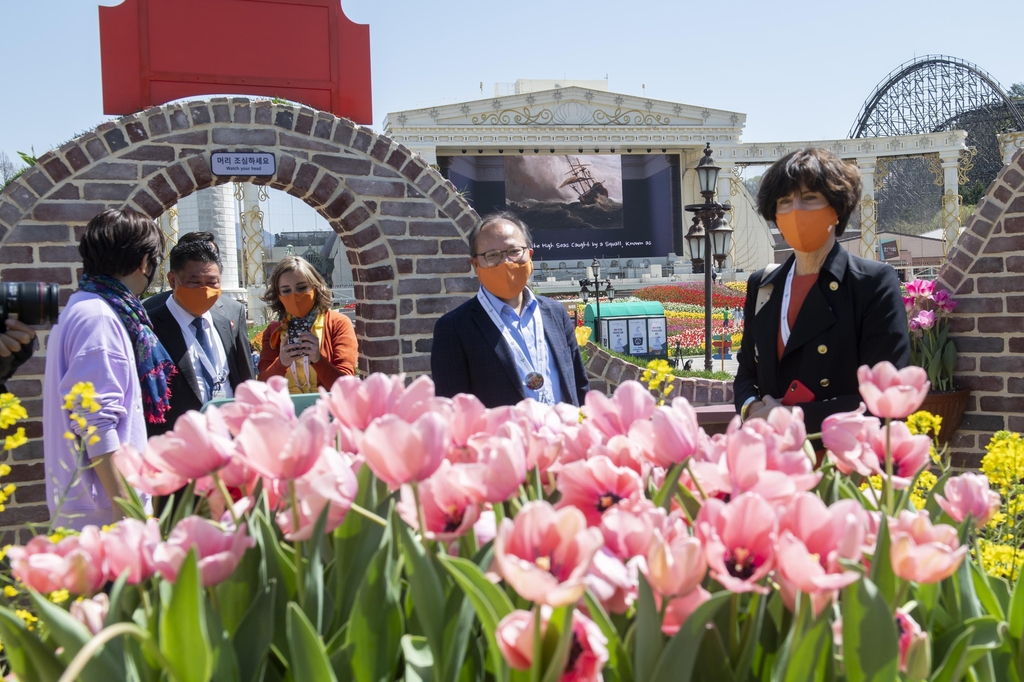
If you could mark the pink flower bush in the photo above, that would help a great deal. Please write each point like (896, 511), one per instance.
(218, 551)
(969, 495)
(587, 657)
(922, 552)
(544, 553)
(739, 541)
(401, 452)
(891, 393)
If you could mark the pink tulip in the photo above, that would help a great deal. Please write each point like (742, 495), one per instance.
(143, 476)
(681, 608)
(596, 485)
(921, 288)
(813, 539)
(925, 319)
(486, 527)
(449, 508)
(674, 433)
(625, 452)
(579, 440)
(739, 541)
(910, 453)
(199, 445)
(129, 547)
(627, 532)
(500, 466)
(915, 325)
(74, 564)
(969, 495)
(218, 551)
(400, 452)
(944, 301)
(332, 482)
(91, 612)
(544, 553)
(277, 449)
(922, 552)
(892, 393)
(611, 582)
(915, 651)
(258, 397)
(675, 562)
(848, 437)
(908, 303)
(613, 416)
(747, 451)
(357, 402)
(515, 638)
(546, 428)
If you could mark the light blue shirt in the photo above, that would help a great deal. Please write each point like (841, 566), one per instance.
(523, 329)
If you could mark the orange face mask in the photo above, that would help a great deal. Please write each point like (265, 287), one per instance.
(807, 231)
(298, 304)
(196, 300)
(506, 280)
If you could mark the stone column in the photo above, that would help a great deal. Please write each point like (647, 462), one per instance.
(868, 246)
(1009, 143)
(950, 198)
(213, 210)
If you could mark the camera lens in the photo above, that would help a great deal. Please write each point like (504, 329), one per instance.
(30, 302)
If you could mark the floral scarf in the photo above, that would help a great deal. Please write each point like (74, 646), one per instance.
(154, 365)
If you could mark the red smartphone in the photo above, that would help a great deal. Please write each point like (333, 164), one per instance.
(797, 393)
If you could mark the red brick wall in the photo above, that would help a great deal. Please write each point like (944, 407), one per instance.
(403, 224)
(985, 272)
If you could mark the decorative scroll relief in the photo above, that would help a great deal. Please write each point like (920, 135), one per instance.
(966, 163)
(868, 226)
(572, 113)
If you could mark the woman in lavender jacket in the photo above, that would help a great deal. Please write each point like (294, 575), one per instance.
(104, 337)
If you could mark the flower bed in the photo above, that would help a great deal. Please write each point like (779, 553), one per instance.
(691, 293)
(386, 533)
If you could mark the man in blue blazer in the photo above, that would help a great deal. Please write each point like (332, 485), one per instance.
(506, 343)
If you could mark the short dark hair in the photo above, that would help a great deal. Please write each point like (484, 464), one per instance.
(194, 246)
(116, 240)
(818, 170)
(497, 217)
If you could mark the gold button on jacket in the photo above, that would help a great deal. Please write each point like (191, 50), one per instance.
(824, 382)
(822, 349)
(833, 286)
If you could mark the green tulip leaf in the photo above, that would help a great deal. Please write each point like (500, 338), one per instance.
(308, 657)
(680, 654)
(72, 635)
(184, 640)
(870, 649)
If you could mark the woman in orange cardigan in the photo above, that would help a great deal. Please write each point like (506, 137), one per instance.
(309, 343)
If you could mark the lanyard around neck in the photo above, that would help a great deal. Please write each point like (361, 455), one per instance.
(787, 294)
(540, 348)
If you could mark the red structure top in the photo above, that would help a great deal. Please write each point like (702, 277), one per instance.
(156, 51)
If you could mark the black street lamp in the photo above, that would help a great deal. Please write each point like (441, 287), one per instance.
(702, 242)
(601, 288)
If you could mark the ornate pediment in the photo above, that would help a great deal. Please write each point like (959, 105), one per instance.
(564, 107)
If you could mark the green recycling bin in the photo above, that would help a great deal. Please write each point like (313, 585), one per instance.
(638, 328)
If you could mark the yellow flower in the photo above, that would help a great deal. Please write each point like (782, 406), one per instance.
(3, 552)
(1000, 560)
(669, 388)
(10, 591)
(94, 440)
(4, 470)
(11, 410)
(919, 495)
(924, 423)
(69, 436)
(583, 335)
(1004, 460)
(58, 596)
(16, 440)
(27, 617)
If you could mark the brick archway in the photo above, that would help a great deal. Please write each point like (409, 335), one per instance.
(985, 273)
(402, 223)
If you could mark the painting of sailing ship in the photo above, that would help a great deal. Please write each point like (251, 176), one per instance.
(561, 192)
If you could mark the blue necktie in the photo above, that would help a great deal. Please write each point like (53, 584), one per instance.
(204, 343)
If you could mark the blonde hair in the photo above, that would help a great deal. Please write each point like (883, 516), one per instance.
(324, 298)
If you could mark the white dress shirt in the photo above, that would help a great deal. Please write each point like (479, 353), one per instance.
(220, 359)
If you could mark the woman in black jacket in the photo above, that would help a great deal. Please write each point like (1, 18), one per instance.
(812, 321)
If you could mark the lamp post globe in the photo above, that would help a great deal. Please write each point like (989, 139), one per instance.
(707, 172)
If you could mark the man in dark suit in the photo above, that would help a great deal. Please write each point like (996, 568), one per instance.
(204, 333)
(506, 343)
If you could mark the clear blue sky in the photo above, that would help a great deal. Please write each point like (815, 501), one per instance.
(798, 69)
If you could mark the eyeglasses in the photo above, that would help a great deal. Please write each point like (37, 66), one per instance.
(492, 258)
